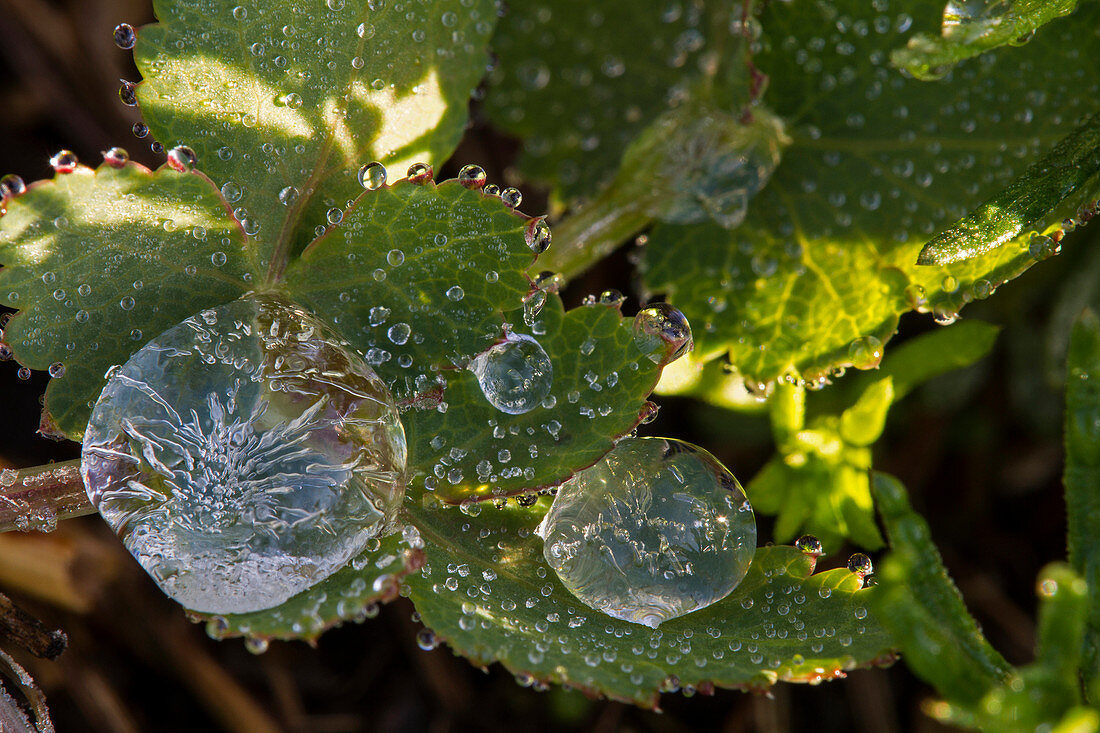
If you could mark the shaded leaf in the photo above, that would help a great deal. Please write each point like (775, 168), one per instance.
(101, 261)
(1082, 474)
(283, 106)
(578, 82)
(600, 381)
(972, 28)
(918, 603)
(1026, 201)
(488, 593)
(825, 258)
(863, 422)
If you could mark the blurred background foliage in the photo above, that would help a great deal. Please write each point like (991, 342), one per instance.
(979, 449)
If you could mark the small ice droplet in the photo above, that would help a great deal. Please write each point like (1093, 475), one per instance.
(125, 36)
(181, 158)
(657, 529)
(515, 375)
(372, 176)
(662, 333)
(244, 455)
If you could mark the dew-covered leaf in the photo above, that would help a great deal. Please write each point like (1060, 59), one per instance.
(918, 603)
(101, 261)
(284, 103)
(488, 593)
(1029, 199)
(579, 81)
(1082, 474)
(350, 594)
(818, 274)
(600, 381)
(417, 277)
(972, 27)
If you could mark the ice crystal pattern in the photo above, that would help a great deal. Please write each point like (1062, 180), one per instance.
(658, 528)
(244, 455)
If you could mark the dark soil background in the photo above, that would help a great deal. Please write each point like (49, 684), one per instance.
(980, 451)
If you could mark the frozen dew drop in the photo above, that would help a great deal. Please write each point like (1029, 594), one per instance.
(860, 564)
(11, 185)
(515, 375)
(372, 176)
(472, 176)
(538, 235)
(64, 161)
(426, 640)
(244, 455)
(809, 545)
(116, 157)
(288, 196)
(662, 333)
(419, 173)
(125, 36)
(656, 529)
(511, 197)
(127, 92)
(865, 352)
(182, 158)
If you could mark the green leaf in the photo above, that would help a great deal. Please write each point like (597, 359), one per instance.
(600, 381)
(918, 603)
(972, 28)
(1026, 201)
(417, 276)
(824, 261)
(101, 261)
(928, 356)
(488, 593)
(1082, 473)
(863, 423)
(578, 82)
(352, 593)
(274, 99)
(1046, 693)
(787, 409)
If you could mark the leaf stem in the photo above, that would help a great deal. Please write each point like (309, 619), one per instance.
(40, 496)
(598, 228)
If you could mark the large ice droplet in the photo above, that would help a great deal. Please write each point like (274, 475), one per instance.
(244, 455)
(515, 375)
(657, 529)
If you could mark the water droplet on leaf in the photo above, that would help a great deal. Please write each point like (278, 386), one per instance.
(181, 158)
(515, 375)
(662, 333)
(64, 161)
(116, 157)
(472, 176)
(124, 36)
(658, 528)
(244, 455)
(372, 176)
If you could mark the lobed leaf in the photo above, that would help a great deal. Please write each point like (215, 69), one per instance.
(972, 28)
(918, 603)
(487, 592)
(283, 105)
(1082, 475)
(1042, 188)
(101, 261)
(417, 277)
(823, 265)
(471, 450)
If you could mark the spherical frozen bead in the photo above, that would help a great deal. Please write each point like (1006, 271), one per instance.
(657, 529)
(244, 455)
(515, 375)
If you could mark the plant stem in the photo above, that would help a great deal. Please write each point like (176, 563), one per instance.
(40, 496)
(598, 228)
